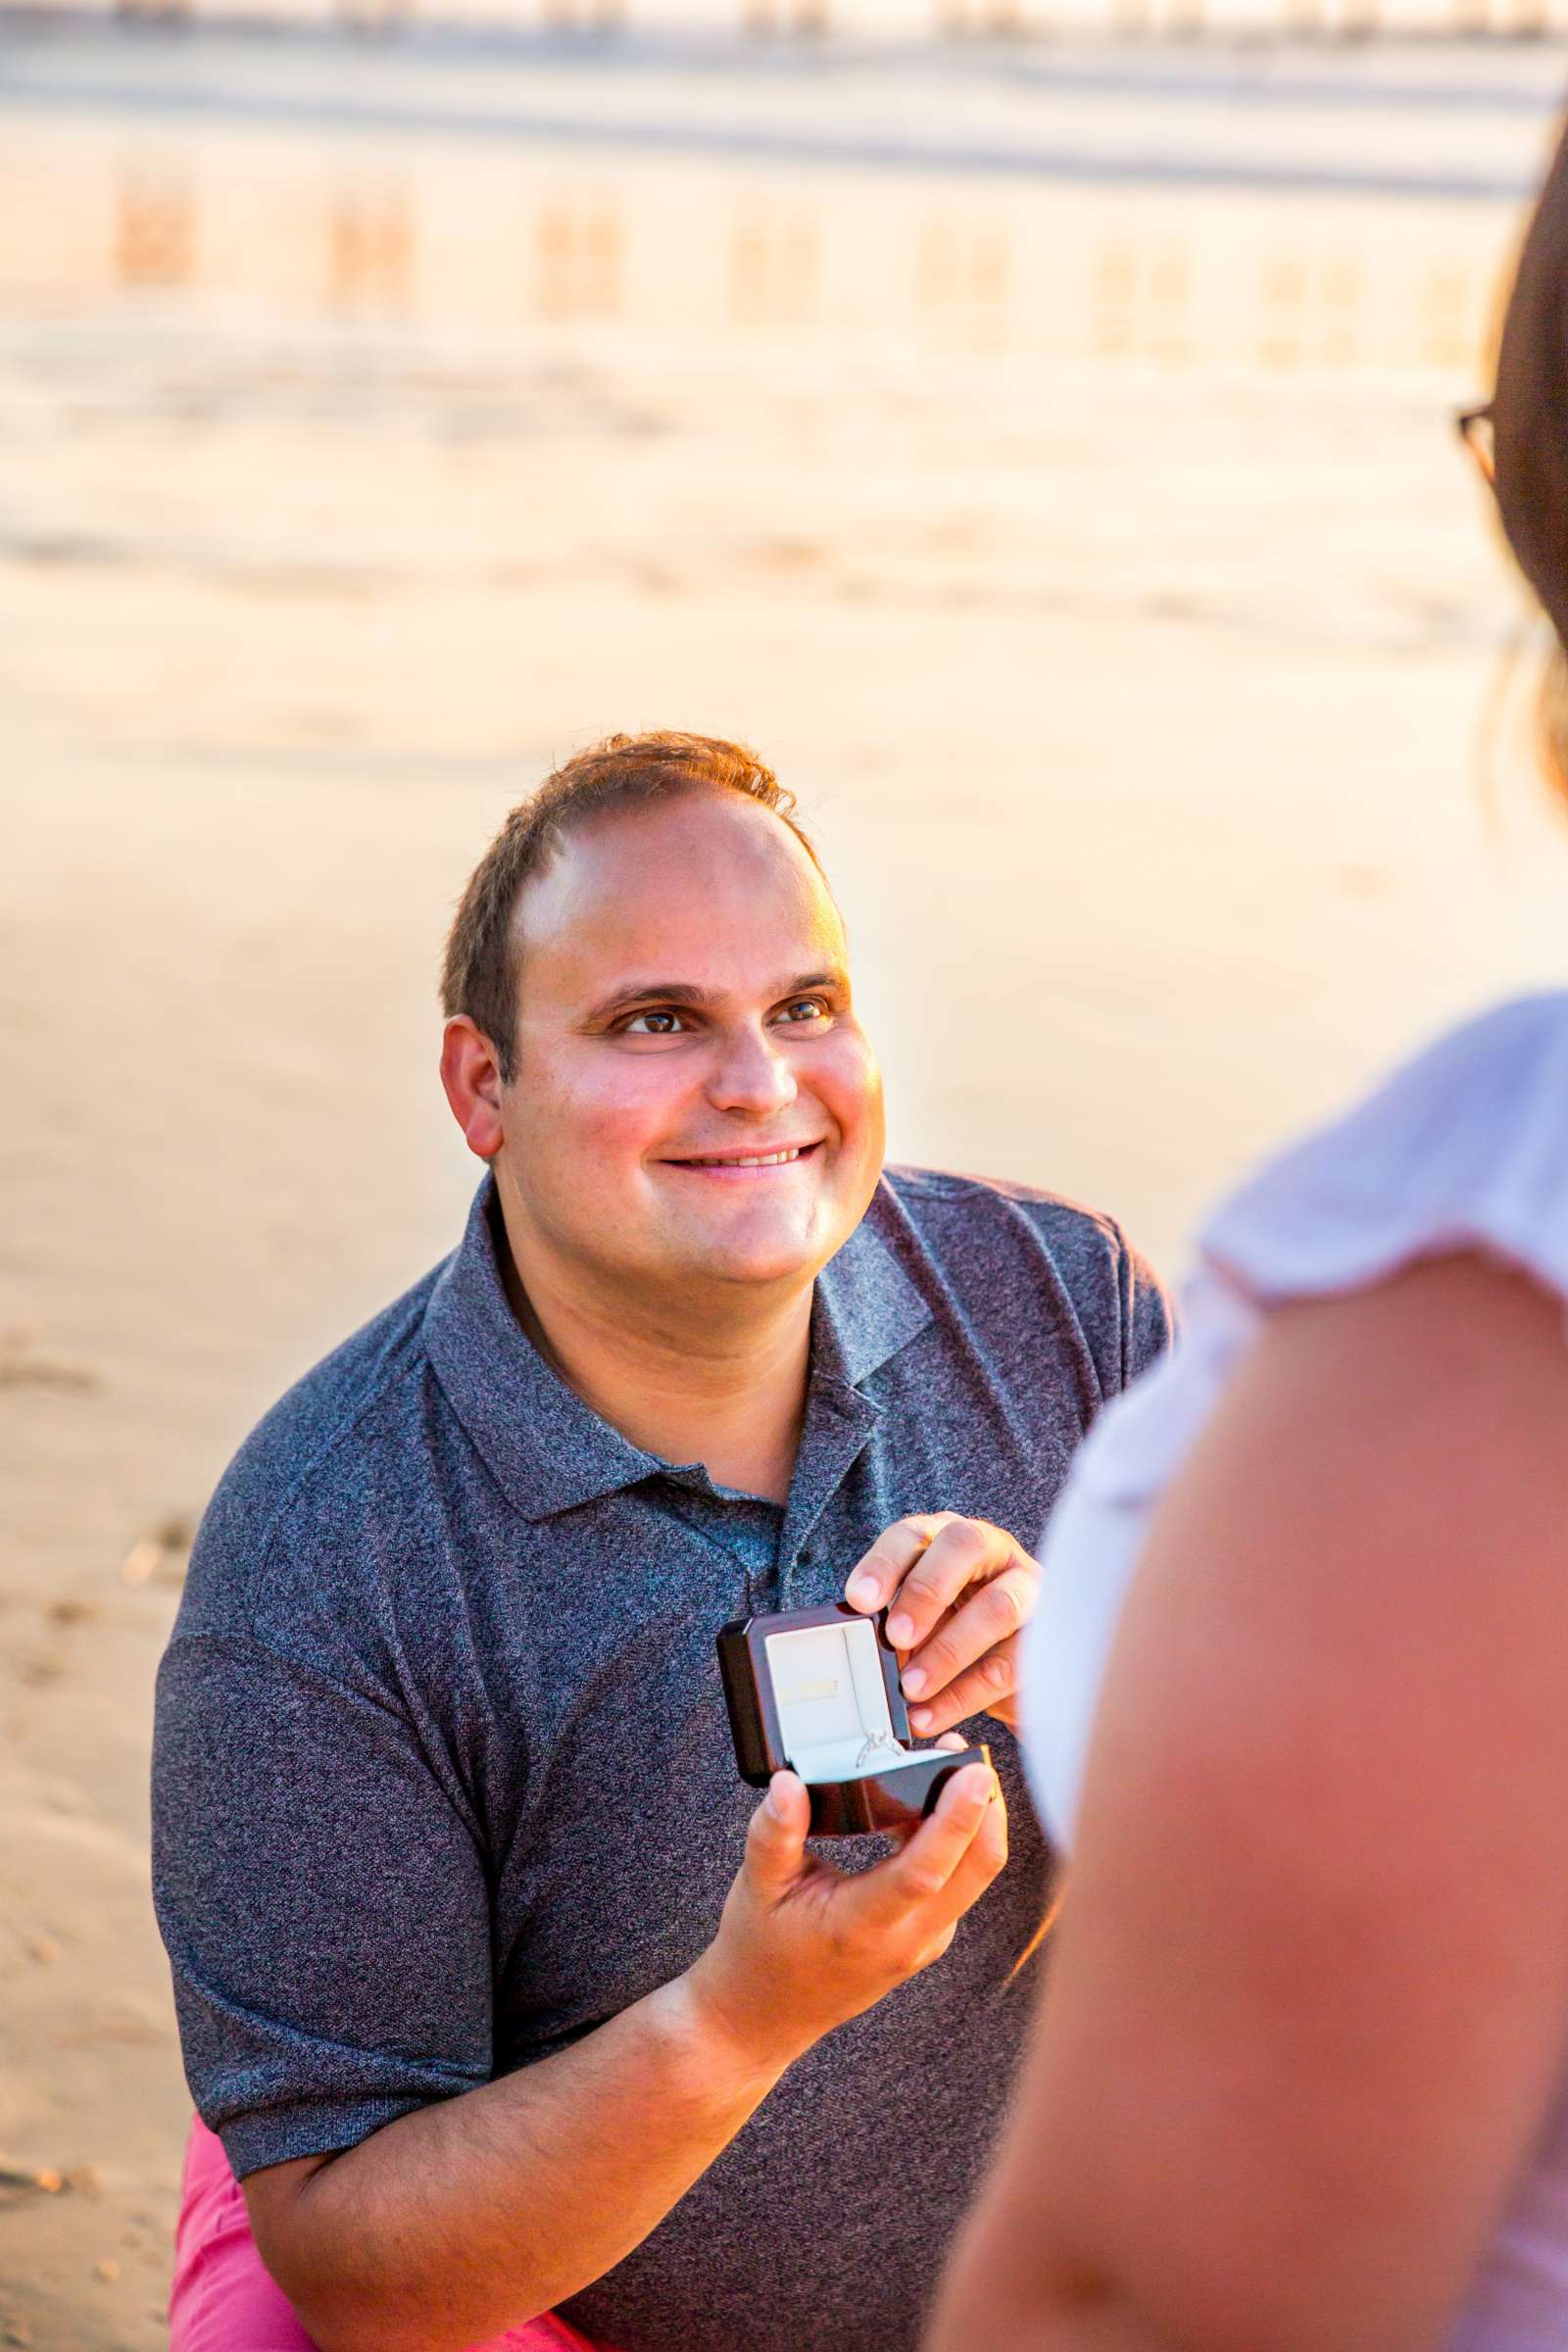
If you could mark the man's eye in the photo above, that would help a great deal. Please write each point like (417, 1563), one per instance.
(805, 1008)
(653, 1024)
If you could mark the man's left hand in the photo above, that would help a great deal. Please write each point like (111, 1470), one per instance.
(958, 1592)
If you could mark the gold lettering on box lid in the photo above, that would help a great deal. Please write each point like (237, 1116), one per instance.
(824, 1686)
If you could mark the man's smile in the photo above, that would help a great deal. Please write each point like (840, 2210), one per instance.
(748, 1163)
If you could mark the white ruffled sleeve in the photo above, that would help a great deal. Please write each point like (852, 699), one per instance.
(1464, 1148)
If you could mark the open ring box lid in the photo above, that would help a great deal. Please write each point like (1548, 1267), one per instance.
(817, 1691)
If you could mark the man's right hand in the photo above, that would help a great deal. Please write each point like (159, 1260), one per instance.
(801, 1947)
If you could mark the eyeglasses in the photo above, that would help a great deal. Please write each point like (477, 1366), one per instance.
(1474, 427)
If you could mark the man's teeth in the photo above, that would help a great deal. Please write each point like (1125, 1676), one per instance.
(756, 1160)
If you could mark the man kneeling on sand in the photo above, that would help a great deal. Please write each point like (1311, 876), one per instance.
(447, 1818)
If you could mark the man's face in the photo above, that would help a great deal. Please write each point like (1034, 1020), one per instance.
(694, 1100)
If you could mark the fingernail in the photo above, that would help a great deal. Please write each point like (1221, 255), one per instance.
(863, 1592)
(914, 1683)
(901, 1633)
(774, 1803)
(921, 1718)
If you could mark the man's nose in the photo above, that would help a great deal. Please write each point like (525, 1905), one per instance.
(751, 1073)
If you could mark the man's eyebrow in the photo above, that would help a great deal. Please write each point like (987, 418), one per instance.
(833, 975)
(682, 991)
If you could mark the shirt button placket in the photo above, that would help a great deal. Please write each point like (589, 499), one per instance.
(802, 1578)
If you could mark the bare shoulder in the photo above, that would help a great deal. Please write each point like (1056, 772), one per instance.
(1312, 1971)
(1353, 1605)
(1400, 1452)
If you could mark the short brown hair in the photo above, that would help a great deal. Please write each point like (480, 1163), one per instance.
(479, 973)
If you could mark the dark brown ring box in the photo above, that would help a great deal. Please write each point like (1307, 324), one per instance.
(817, 1691)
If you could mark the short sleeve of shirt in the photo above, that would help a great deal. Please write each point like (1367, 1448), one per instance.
(1147, 1317)
(323, 1904)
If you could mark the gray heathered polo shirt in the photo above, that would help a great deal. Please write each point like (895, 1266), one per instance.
(443, 1777)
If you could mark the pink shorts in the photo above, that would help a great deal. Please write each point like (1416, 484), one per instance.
(221, 2298)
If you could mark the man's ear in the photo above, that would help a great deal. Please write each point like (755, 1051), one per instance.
(471, 1072)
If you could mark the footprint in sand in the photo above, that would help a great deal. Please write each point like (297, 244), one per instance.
(23, 1367)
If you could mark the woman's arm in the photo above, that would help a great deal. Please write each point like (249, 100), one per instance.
(1309, 1994)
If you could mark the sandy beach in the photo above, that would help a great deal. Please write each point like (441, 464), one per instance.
(1050, 471)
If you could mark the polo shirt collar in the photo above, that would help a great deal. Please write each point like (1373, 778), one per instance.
(547, 1449)
(867, 1306)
